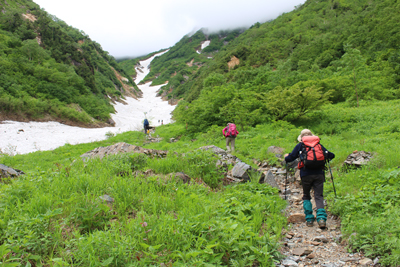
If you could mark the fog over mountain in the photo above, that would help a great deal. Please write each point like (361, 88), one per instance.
(133, 28)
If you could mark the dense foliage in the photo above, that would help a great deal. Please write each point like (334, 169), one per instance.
(339, 50)
(51, 68)
(60, 219)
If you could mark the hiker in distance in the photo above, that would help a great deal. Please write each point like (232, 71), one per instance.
(313, 157)
(230, 134)
(146, 126)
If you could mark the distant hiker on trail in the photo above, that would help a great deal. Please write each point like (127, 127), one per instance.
(162, 123)
(312, 165)
(146, 126)
(230, 134)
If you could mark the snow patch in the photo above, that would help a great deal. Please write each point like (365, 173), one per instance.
(27, 137)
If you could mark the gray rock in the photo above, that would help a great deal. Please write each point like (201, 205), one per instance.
(289, 263)
(349, 259)
(293, 258)
(281, 171)
(107, 198)
(6, 171)
(111, 122)
(358, 158)
(301, 251)
(241, 171)
(119, 148)
(321, 238)
(269, 178)
(365, 262)
(293, 164)
(215, 150)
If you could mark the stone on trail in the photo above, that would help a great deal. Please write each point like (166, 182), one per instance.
(365, 262)
(348, 259)
(302, 251)
(269, 178)
(241, 171)
(297, 218)
(310, 256)
(321, 238)
(289, 263)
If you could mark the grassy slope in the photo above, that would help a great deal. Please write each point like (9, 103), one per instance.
(59, 201)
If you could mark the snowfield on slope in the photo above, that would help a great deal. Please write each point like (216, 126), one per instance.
(26, 137)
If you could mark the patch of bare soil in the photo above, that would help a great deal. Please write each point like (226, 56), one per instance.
(25, 118)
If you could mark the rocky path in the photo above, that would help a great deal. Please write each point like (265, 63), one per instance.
(312, 246)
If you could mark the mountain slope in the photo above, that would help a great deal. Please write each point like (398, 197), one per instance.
(341, 50)
(51, 70)
(183, 59)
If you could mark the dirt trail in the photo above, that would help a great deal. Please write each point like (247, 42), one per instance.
(312, 246)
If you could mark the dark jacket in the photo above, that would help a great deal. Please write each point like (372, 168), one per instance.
(146, 123)
(304, 171)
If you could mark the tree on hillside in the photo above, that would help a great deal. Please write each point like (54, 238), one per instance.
(355, 63)
(294, 102)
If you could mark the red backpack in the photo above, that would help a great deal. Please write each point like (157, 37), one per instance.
(312, 155)
(232, 132)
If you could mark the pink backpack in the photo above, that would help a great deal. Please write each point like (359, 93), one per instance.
(232, 132)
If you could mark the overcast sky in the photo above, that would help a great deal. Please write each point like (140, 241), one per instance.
(131, 28)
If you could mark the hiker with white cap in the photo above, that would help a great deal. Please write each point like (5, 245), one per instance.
(313, 157)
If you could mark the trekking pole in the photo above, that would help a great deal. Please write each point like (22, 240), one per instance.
(334, 190)
(286, 180)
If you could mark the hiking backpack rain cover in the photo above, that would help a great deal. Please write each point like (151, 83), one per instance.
(312, 155)
(231, 130)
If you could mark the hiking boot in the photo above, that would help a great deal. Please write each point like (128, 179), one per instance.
(322, 224)
(310, 223)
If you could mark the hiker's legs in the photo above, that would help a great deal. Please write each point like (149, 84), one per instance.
(319, 196)
(306, 182)
(318, 186)
(227, 144)
(233, 144)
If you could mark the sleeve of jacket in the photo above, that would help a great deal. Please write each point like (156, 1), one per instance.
(330, 154)
(223, 130)
(295, 153)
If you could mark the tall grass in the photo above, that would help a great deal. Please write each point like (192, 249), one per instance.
(54, 216)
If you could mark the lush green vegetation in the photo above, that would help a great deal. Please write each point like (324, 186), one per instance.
(57, 218)
(67, 75)
(53, 214)
(337, 51)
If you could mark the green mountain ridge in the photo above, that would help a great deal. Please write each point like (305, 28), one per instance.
(343, 51)
(50, 69)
